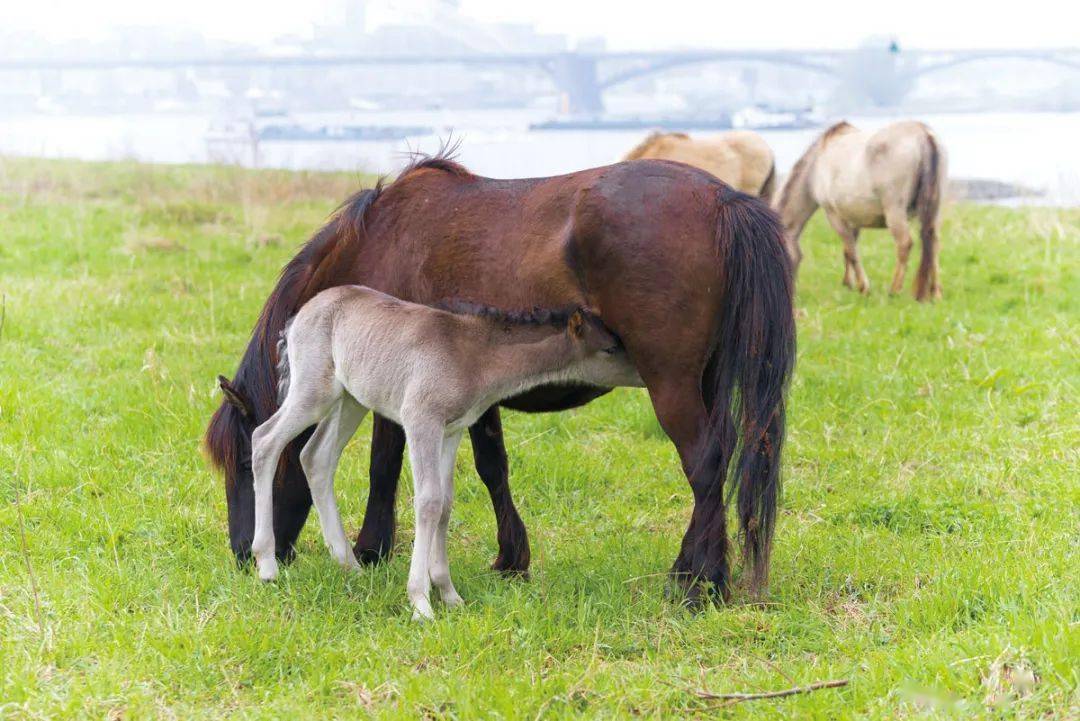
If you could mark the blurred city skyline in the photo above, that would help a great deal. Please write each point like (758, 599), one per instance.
(828, 24)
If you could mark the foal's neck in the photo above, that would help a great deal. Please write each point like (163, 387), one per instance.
(516, 358)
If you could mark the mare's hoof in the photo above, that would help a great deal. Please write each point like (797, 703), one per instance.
(514, 568)
(695, 596)
(371, 555)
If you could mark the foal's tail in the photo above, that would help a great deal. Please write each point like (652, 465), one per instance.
(748, 375)
(283, 362)
(927, 203)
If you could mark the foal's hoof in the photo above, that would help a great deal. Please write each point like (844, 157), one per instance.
(268, 570)
(423, 614)
(452, 600)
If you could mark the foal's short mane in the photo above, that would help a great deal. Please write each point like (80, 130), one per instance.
(555, 317)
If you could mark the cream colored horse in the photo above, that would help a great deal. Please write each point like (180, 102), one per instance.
(740, 158)
(871, 180)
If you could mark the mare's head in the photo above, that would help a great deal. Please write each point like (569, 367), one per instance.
(589, 336)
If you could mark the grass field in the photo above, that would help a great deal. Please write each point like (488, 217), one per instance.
(927, 550)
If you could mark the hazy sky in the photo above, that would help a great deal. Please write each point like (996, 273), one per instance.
(625, 23)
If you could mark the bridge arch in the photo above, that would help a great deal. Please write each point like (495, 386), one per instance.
(1067, 62)
(664, 65)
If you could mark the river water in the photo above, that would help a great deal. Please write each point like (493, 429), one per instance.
(1037, 150)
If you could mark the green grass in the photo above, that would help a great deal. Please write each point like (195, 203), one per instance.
(928, 538)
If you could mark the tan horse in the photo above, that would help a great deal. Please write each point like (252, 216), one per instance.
(871, 180)
(740, 158)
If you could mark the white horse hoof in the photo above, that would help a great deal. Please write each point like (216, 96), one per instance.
(268, 570)
(422, 612)
(453, 600)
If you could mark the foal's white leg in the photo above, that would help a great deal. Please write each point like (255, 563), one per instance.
(425, 453)
(320, 460)
(440, 561)
(267, 443)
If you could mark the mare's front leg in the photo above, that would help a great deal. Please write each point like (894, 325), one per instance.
(489, 453)
(320, 460)
(440, 560)
(425, 452)
(376, 538)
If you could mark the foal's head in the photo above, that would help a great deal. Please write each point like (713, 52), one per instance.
(589, 336)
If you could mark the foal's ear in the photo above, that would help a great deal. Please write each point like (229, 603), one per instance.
(234, 397)
(576, 324)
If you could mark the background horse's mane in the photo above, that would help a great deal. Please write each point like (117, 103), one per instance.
(640, 149)
(556, 317)
(801, 169)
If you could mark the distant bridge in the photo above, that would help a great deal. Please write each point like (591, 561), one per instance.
(884, 74)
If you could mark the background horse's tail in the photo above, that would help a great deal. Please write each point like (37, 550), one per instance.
(769, 186)
(747, 378)
(927, 201)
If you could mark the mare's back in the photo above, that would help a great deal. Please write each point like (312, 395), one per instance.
(436, 235)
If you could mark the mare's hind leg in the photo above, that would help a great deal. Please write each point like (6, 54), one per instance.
(854, 274)
(703, 553)
(320, 460)
(489, 453)
(897, 222)
(440, 560)
(376, 537)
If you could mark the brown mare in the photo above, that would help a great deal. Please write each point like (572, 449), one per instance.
(692, 276)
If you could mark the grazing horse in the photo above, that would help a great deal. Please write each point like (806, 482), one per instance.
(640, 243)
(351, 349)
(871, 180)
(740, 158)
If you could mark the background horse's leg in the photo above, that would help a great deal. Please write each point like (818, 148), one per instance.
(489, 454)
(376, 538)
(897, 222)
(853, 268)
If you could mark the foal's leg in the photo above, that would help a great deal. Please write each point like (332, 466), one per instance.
(440, 561)
(489, 453)
(854, 274)
(897, 222)
(267, 443)
(425, 453)
(376, 537)
(320, 460)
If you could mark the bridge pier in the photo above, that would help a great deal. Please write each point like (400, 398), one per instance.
(575, 77)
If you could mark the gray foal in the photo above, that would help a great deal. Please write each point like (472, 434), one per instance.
(352, 349)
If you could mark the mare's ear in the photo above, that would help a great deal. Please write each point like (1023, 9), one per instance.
(576, 324)
(234, 397)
